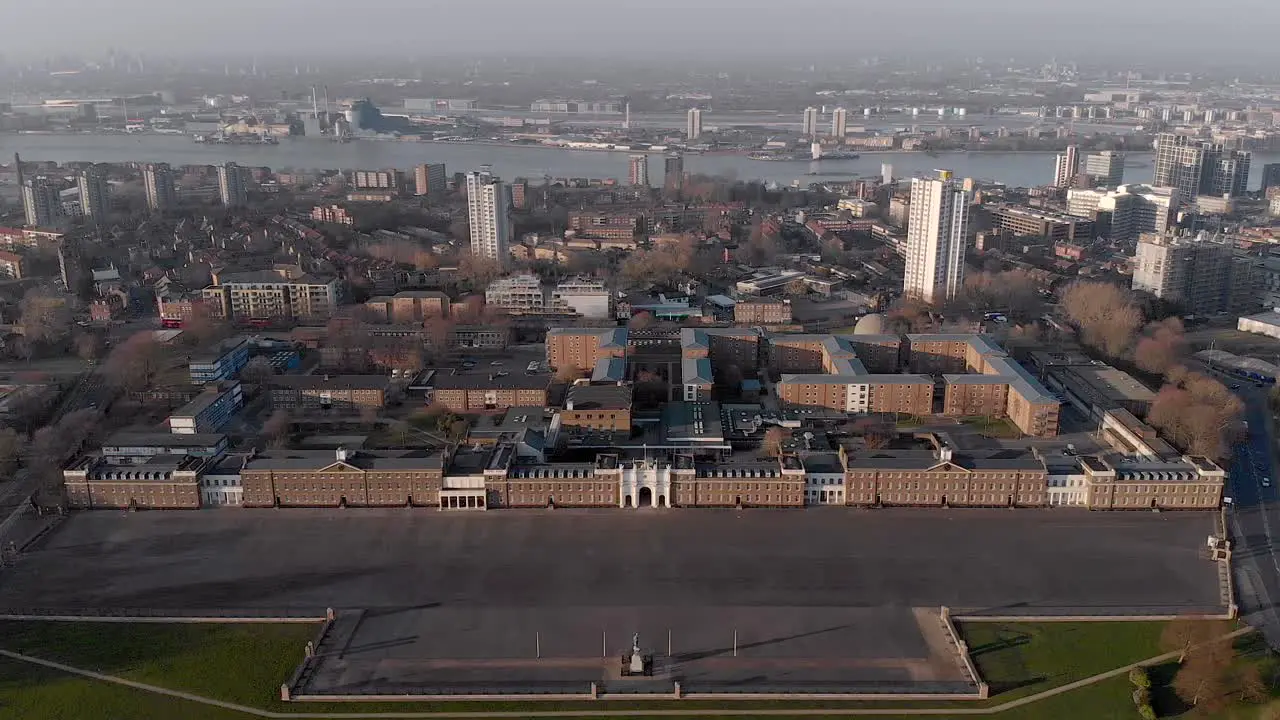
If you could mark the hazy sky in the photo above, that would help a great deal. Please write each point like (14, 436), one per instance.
(991, 28)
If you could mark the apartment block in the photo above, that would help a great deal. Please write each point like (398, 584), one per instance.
(210, 411)
(582, 348)
(408, 306)
(283, 293)
(223, 361)
(972, 369)
(481, 392)
(1030, 222)
(430, 179)
(517, 294)
(341, 393)
(762, 312)
(598, 408)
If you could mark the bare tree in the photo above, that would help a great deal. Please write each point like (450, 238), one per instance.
(1162, 346)
(1204, 678)
(257, 371)
(45, 318)
(134, 363)
(202, 328)
(276, 429)
(89, 346)
(1183, 634)
(641, 320)
(11, 449)
(1253, 687)
(1197, 413)
(478, 271)
(774, 438)
(760, 249)
(1106, 315)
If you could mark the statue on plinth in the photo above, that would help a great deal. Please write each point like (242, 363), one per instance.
(637, 657)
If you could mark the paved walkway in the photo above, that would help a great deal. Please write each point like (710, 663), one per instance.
(256, 712)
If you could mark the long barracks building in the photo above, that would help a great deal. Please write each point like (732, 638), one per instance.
(932, 474)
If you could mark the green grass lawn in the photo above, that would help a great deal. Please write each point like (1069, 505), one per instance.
(993, 427)
(29, 692)
(1018, 659)
(246, 664)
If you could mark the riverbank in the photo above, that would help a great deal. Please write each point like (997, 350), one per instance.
(1017, 168)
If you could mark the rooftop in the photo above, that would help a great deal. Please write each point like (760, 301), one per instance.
(313, 460)
(318, 382)
(495, 381)
(697, 422)
(163, 440)
(598, 397)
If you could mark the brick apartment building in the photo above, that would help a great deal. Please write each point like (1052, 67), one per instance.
(605, 408)
(341, 393)
(762, 311)
(479, 392)
(723, 346)
(973, 368)
(582, 348)
(409, 306)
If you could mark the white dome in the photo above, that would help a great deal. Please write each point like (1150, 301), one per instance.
(870, 324)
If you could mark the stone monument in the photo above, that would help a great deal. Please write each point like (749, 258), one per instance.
(637, 657)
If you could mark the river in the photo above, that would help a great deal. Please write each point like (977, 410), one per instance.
(1024, 169)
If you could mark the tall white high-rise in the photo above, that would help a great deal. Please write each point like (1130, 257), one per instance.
(1106, 168)
(231, 186)
(886, 173)
(94, 192)
(809, 122)
(937, 231)
(839, 123)
(693, 124)
(489, 211)
(1065, 166)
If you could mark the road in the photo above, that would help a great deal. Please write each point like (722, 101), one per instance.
(1254, 516)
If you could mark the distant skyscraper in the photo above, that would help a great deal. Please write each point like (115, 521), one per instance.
(94, 192)
(693, 124)
(40, 202)
(1065, 166)
(1200, 168)
(886, 173)
(809, 122)
(1226, 171)
(937, 232)
(157, 180)
(638, 170)
(231, 185)
(673, 172)
(489, 210)
(839, 123)
(1179, 163)
(1270, 176)
(1106, 168)
(429, 179)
